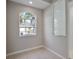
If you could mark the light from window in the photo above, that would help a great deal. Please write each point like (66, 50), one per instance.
(27, 24)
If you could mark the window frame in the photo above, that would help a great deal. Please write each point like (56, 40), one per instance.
(29, 34)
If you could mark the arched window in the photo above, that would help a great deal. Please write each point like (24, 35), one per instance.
(27, 24)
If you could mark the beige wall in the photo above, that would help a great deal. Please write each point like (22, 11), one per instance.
(14, 41)
(56, 43)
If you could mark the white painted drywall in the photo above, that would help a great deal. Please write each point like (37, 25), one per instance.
(14, 41)
(56, 43)
(60, 18)
(70, 29)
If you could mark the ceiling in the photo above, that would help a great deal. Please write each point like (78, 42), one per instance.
(41, 4)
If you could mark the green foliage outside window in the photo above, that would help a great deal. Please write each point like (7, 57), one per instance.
(25, 16)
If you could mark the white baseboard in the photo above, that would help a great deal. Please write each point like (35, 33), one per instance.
(29, 49)
(54, 52)
(25, 50)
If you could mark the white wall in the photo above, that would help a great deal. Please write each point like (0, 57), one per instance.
(58, 44)
(70, 29)
(14, 42)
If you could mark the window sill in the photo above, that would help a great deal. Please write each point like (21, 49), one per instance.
(30, 34)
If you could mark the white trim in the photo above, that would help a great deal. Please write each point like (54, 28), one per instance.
(25, 50)
(37, 47)
(54, 52)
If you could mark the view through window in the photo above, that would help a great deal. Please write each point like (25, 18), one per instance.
(27, 24)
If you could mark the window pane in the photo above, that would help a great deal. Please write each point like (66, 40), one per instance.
(30, 30)
(27, 24)
(22, 33)
(22, 29)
